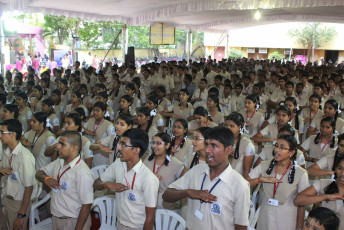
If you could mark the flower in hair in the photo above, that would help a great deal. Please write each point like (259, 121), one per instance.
(153, 113)
(168, 157)
(107, 114)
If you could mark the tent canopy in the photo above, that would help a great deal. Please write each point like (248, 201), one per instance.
(202, 15)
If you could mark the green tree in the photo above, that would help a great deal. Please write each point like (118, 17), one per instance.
(235, 54)
(59, 26)
(277, 55)
(89, 33)
(304, 35)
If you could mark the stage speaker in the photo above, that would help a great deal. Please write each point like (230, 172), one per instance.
(130, 57)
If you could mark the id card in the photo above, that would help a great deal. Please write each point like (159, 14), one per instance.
(131, 197)
(13, 176)
(199, 214)
(215, 208)
(273, 202)
(64, 185)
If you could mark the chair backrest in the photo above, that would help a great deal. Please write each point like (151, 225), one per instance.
(98, 170)
(168, 220)
(107, 208)
(34, 207)
(252, 211)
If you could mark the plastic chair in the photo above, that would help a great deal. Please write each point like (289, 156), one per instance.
(107, 212)
(98, 170)
(41, 225)
(254, 220)
(255, 195)
(168, 220)
(252, 211)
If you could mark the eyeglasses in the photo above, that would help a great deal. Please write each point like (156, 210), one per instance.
(158, 143)
(198, 139)
(280, 147)
(124, 145)
(4, 132)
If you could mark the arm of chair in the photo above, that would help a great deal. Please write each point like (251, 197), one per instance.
(34, 207)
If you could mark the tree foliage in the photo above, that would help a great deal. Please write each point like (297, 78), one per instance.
(276, 54)
(59, 26)
(235, 54)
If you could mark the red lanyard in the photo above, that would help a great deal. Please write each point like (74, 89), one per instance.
(95, 130)
(200, 94)
(59, 176)
(248, 119)
(33, 141)
(328, 141)
(310, 115)
(158, 169)
(175, 148)
(132, 183)
(277, 184)
(11, 162)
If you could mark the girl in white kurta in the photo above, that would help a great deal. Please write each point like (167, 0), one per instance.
(75, 102)
(181, 145)
(253, 118)
(243, 149)
(198, 155)
(281, 180)
(328, 192)
(38, 139)
(201, 119)
(166, 167)
(213, 106)
(99, 127)
(25, 113)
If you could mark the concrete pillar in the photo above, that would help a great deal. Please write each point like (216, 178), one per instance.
(227, 46)
(1, 45)
(124, 42)
(188, 44)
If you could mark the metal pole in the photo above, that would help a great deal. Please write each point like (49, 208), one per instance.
(124, 33)
(1, 44)
(112, 45)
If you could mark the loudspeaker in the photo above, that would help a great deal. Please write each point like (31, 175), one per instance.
(130, 57)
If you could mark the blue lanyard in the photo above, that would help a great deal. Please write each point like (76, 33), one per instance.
(212, 188)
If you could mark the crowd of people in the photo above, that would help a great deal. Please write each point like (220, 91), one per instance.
(194, 138)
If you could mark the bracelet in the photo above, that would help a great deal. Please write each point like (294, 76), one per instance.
(48, 177)
(259, 180)
(105, 186)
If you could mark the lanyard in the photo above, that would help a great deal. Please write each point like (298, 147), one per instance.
(11, 162)
(248, 119)
(277, 184)
(59, 176)
(175, 148)
(33, 141)
(158, 169)
(328, 141)
(132, 183)
(310, 115)
(212, 188)
(200, 94)
(95, 128)
(114, 147)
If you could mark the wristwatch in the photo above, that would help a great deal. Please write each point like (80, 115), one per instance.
(21, 215)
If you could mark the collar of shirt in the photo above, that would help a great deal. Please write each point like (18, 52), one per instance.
(71, 164)
(224, 176)
(16, 149)
(136, 168)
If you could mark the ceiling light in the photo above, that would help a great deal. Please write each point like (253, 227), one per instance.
(257, 15)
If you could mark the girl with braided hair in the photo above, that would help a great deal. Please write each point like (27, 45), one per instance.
(322, 144)
(36, 100)
(253, 118)
(215, 113)
(326, 165)
(153, 104)
(331, 109)
(296, 121)
(281, 181)
(181, 145)
(48, 109)
(242, 156)
(202, 119)
(25, 113)
(328, 192)
(166, 167)
(198, 155)
(125, 106)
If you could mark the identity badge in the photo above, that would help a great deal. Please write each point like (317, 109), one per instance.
(13, 176)
(273, 202)
(131, 197)
(199, 214)
(64, 185)
(216, 208)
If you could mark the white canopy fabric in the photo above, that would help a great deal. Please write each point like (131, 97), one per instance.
(202, 15)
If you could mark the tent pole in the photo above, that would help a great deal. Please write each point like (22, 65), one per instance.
(112, 45)
(1, 45)
(124, 33)
(227, 46)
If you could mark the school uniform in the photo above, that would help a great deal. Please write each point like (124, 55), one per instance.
(301, 127)
(184, 114)
(58, 109)
(85, 152)
(180, 153)
(24, 116)
(326, 162)
(271, 131)
(37, 106)
(69, 109)
(339, 124)
(167, 82)
(252, 123)
(319, 150)
(158, 121)
(193, 125)
(226, 105)
(231, 207)
(110, 141)
(76, 181)
(143, 192)
(104, 129)
(218, 118)
(246, 149)
(284, 215)
(239, 102)
(267, 155)
(305, 114)
(203, 95)
(163, 104)
(189, 157)
(335, 205)
(169, 174)
(22, 162)
(40, 142)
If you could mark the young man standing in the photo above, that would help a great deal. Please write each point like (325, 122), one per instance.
(135, 185)
(18, 164)
(71, 182)
(214, 203)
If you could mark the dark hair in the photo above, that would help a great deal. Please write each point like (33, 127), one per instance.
(162, 89)
(185, 126)
(81, 112)
(337, 154)
(73, 138)
(335, 105)
(239, 120)
(39, 88)
(222, 135)
(13, 109)
(41, 117)
(76, 119)
(127, 118)
(255, 99)
(203, 131)
(333, 188)
(146, 111)
(317, 97)
(130, 86)
(326, 217)
(285, 109)
(100, 105)
(13, 125)
(153, 98)
(332, 122)
(293, 100)
(287, 128)
(187, 93)
(138, 138)
(215, 99)
(103, 94)
(49, 102)
(292, 146)
(3, 98)
(167, 139)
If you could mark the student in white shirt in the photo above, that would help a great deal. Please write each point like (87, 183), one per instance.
(135, 185)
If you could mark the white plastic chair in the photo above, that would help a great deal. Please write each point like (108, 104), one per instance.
(168, 220)
(255, 195)
(98, 170)
(41, 225)
(254, 220)
(107, 212)
(252, 211)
